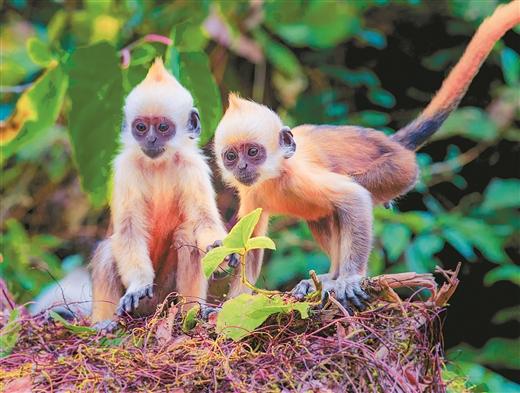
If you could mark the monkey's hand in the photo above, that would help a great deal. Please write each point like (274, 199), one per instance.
(106, 326)
(232, 261)
(347, 290)
(130, 301)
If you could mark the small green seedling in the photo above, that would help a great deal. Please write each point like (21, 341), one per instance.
(241, 315)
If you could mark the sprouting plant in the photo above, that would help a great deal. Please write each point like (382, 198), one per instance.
(242, 314)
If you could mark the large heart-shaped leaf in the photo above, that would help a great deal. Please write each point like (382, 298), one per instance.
(96, 92)
(241, 315)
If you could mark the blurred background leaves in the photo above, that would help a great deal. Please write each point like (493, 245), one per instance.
(376, 63)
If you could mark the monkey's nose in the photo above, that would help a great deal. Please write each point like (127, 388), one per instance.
(242, 165)
(152, 139)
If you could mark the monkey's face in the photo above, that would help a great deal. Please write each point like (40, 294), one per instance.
(155, 133)
(152, 134)
(244, 161)
(249, 163)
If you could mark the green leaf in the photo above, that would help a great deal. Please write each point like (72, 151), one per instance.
(96, 92)
(188, 37)
(195, 75)
(510, 66)
(460, 243)
(39, 52)
(215, 256)
(260, 242)
(469, 122)
(76, 329)
(321, 24)
(506, 315)
(142, 54)
(419, 256)
(190, 320)
(479, 375)
(502, 193)
(279, 55)
(10, 333)
(508, 272)
(241, 232)
(381, 97)
(36, 111)
(241, 315)
(395, 239)
(497, 352)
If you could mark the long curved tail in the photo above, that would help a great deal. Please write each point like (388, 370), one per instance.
(415, 134)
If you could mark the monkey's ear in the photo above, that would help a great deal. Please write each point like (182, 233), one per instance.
(194, 124)
(287, 143)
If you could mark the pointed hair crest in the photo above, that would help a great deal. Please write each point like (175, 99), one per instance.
(158, 73)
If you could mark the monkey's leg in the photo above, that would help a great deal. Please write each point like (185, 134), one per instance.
(325, 232)
(254, 259)
(349, 249)
(106, 287)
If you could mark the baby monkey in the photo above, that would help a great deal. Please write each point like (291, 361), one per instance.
(331, 176)
(163, 209)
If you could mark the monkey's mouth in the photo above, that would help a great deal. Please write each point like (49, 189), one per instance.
(154, 152)
(247, 179)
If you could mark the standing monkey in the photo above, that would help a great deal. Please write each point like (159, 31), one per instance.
(163, 205)
(331, 176)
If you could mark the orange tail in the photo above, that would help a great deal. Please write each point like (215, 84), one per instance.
(454, 87)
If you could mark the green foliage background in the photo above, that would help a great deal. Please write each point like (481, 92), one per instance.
(374, 63)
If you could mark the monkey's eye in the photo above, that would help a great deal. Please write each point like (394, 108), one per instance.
(141, 127)
(231, 156)
(253, 151)
(163, 127)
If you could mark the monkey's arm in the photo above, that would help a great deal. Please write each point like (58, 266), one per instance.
(130, 243)
(255, 257)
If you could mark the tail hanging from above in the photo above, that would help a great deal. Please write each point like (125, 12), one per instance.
(416, 133)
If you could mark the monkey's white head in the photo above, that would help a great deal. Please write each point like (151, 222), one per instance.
(159, 116)
(251, 143)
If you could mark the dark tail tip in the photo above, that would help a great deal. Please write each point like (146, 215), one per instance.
(415, 134)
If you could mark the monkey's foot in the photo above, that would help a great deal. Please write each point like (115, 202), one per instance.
(130, 301)
(347, 290)
(206, 311)
(232, 260)
(106, 326)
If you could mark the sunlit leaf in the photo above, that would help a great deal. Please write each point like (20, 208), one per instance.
(39, 52)
(36, 111)
(260, 242)
(214, 258)
(190, 320)
(10, 333)
(96, 92)
(241, 315)
(241, 232)
(76, 329)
